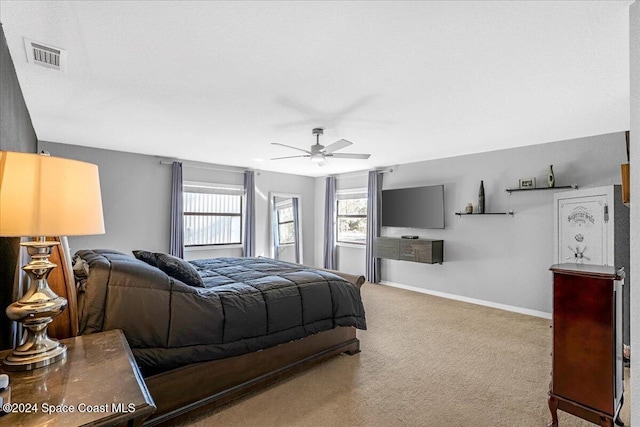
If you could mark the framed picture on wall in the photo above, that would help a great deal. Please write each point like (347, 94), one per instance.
(527, 183)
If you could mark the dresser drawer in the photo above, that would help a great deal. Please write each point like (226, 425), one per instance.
(385, 247)
(415, 250)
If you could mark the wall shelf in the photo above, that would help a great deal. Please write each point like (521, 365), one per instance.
(486, 213)
(511, 190)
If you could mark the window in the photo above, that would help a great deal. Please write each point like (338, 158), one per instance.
(352, 217)
(286, 225)
(212, 214)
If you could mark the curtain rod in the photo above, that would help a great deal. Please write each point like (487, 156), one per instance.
(211, 168)
(360, 173)
(344, 175)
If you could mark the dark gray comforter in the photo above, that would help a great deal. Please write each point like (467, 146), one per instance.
(247, 304)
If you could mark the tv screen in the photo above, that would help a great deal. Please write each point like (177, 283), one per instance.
(417, 207)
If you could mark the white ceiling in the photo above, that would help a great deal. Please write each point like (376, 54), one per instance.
(404, 81)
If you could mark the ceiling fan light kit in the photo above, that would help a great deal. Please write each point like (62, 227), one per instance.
(319, 153)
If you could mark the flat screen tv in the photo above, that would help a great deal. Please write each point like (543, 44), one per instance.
(416, 207)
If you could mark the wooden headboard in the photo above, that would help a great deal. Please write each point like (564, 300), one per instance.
(61, 281)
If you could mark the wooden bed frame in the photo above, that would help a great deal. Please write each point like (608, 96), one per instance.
(202, 386)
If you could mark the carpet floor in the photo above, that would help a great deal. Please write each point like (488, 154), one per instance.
(425, 361)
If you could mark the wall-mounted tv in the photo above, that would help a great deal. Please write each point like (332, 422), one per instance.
(416, 207)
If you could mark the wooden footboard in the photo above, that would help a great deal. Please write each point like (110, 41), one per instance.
(202, 386)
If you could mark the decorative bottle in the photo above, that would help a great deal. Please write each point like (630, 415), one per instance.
(551, 178)
(481, 198)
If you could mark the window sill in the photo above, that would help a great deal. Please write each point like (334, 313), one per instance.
(351, 245)
(212, 247)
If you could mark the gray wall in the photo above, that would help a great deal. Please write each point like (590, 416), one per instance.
(498, 259)
(15, 123)
(16, 134)
(634, 48)
(136, 198)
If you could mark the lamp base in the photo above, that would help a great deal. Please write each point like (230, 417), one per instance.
(17, 362)
(35, 310)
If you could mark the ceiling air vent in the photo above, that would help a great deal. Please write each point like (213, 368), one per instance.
(46, 55)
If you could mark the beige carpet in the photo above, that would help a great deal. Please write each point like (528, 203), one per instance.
(425, 361)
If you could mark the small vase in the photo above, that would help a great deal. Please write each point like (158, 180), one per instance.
(551, 178)
(481, 198)
(469, 208)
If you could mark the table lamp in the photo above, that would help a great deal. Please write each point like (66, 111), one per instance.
(41, 196)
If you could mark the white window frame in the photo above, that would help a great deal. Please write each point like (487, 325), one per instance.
(279, 207)
(215, 188)
(347, 194)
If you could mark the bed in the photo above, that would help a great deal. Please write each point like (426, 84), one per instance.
(192, 354)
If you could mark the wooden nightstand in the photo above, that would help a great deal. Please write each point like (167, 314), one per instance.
(98, 384)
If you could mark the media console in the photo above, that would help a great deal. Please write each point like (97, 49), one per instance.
(427, 251)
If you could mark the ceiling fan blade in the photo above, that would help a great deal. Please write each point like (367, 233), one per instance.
(288, 157)
(336, 146)
(349, 156)
(289, 146)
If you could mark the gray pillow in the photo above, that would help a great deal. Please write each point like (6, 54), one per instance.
(179, 269)
(146, 256)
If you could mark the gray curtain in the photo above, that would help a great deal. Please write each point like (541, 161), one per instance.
(374, 195)
(296, 226)
(249, 232)
(274, 230)
(176, 245)
(330, 224)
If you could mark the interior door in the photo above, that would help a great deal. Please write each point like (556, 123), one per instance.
(583, 227)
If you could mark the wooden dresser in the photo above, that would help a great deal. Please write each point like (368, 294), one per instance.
(587, 376)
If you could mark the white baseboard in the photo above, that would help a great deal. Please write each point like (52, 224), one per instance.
(505, 307)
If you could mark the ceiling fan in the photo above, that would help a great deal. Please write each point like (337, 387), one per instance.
(319, 153)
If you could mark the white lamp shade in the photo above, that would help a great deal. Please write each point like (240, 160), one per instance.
(48, 196)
